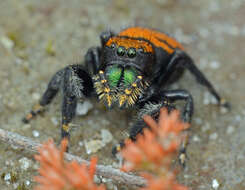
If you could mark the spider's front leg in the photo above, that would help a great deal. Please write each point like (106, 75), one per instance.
(152, 108)
(175, 95)
(77, 84)
(149, 108)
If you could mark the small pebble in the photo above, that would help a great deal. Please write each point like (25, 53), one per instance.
(223, 110)
(36, 96)
(115, 165)
(55, 121)
(96, 179)
(93, 146)
(18, 61)
(196, 138)
(214, 64)
(208, 99)
(7, 177)
(213, 136)
(7, 43)
(9, 163)
(14, 147)
(205, 168)
(230, 130)
(80, 143)
(215, 184)
(15, 185)
(35, 133)
(35, 166)
(106, 136)
(8, 182)
(187, 176)
(104, 180)
(206, 127)
(84, 108)
(25, 163)
(27, 182)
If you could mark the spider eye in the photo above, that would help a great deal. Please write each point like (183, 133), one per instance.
(121, 51)
(131, 52)
(113, 45)
(141, 50)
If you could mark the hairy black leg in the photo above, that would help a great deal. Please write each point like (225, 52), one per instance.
(92, 60)
(92, 57)
(49, 94)
(68, 112)
(175, 95)
(149, 108)
(76, 84)
(135, 130)
(183, 146)
(105, 36)
(165, 99)
(181, 59)
(72, 88)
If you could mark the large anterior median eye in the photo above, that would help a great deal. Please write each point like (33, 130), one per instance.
(131, 52)
(121, 51)
(129, 76)
(113, 74)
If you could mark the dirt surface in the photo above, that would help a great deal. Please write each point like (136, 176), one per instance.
(39, 37)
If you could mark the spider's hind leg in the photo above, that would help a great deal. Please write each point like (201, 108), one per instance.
(181, 60)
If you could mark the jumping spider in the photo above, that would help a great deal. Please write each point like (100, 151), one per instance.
(129, 69)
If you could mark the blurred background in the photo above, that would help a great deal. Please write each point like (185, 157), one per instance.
(37, 38)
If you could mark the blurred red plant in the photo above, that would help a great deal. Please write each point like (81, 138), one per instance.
(153, 151)
(56, 174)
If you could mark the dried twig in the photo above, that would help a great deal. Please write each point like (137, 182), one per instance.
(101, 170)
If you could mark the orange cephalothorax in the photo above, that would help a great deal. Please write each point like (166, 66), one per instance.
(129, 43)
(157, 38)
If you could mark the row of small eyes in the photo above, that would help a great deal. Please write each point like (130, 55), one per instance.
(131, 52)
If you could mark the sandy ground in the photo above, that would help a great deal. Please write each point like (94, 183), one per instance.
(39, 37)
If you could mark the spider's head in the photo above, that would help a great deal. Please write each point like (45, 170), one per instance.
(122, 78)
